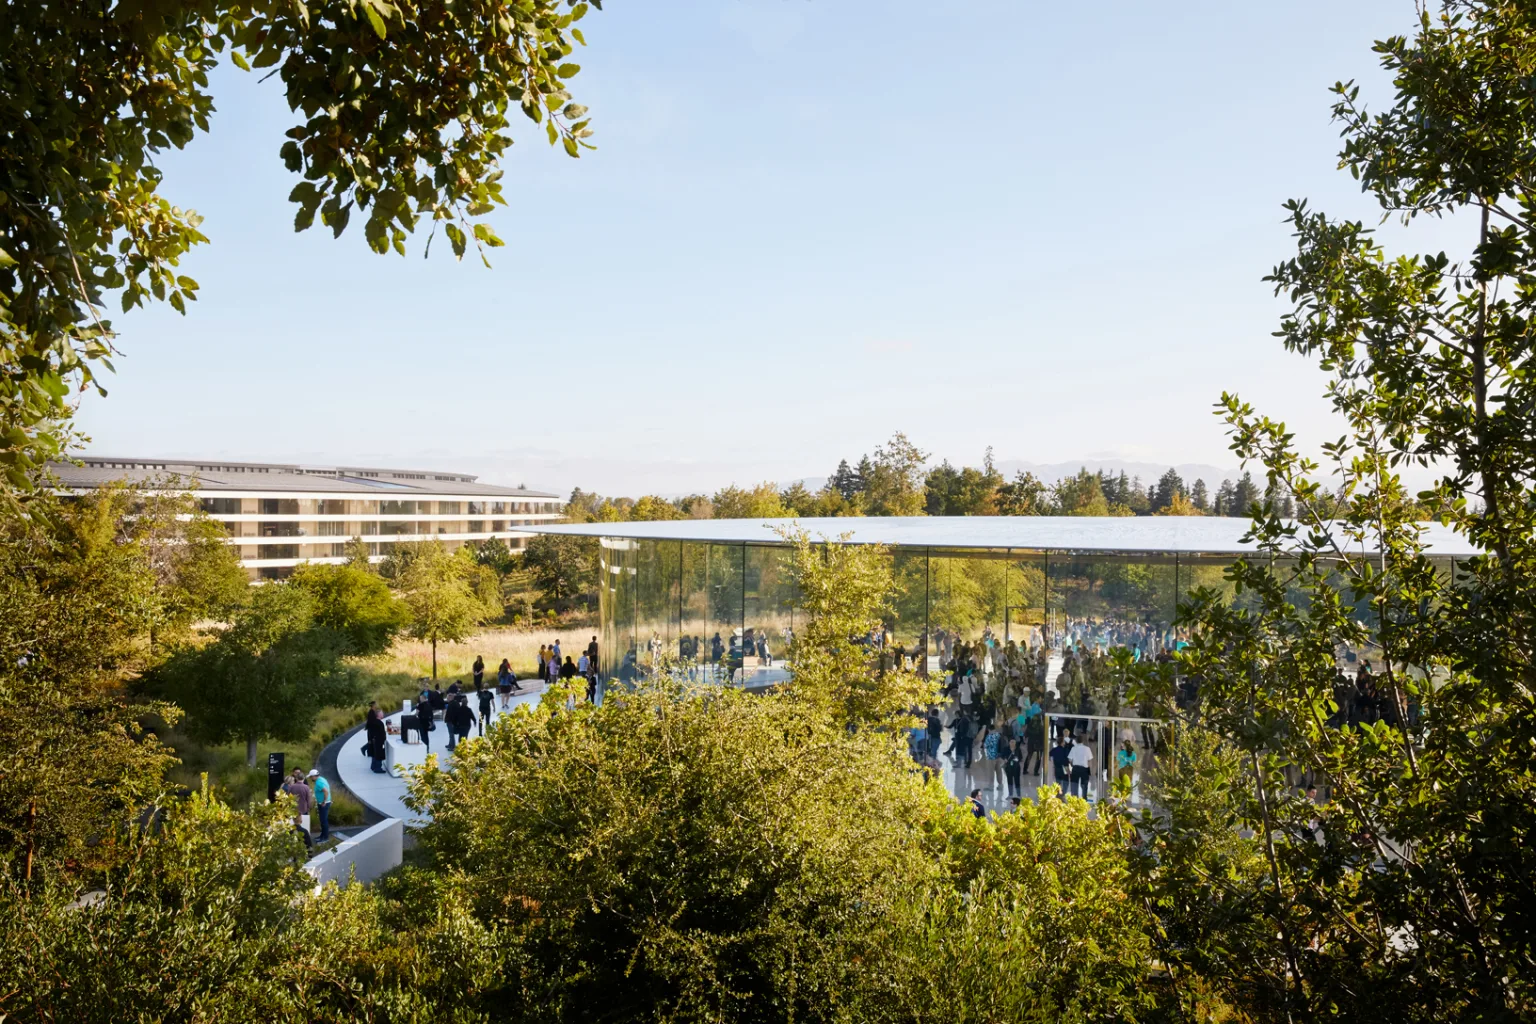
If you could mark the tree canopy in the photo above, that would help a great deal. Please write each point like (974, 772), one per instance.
(402, 114)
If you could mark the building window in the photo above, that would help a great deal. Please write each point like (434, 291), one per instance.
(476, 508)
(447, 508)
(221, 506)
(332, 507)
(498, 507)
(280, 530)
(476, 526)
(280, 551)
(278, 506)
(397, 508)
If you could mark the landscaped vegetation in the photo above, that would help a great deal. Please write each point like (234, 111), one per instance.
(682, 854)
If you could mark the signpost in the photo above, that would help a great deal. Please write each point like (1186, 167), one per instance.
(275, 775)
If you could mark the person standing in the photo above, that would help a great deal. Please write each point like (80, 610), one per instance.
(479, 671)
(1125, 763)
(935, 733)
(1013, 762)
(484, 697)
(378, 736)
(977, 807)
(322, 795)
(1081, 757)
(592, 656)
(302, 799)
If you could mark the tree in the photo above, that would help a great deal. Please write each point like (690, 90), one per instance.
(1244, 495)
(404, 117)
(761, 502)
(194, 573)
(442, 605)
(1026, 495)
(649, 508)
(268, 676)
(892, 479)
(792, 870)
(561, 567)
(845, 591)
(354, 602)
(1200, 497)
(358, 555)
(1226, 500)
(846, 481)
(964, 492)
(210, 916)
(1169, 486)
(1179, 506)
(1414, 903)
(496, 556)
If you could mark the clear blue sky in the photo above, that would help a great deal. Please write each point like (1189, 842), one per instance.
(1040, 227)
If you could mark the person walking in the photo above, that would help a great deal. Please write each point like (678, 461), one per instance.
(322, 794)
(1125, 763)
(1061, 766)
(1013, 761)
(592, 656)
(960, 743)
(504, 683)
(424, 723)
(1081, 757)
(378, 736)
(484, 696)
(935, 733)
(460, 720)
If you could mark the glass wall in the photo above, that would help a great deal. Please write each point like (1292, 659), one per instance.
(726, 612)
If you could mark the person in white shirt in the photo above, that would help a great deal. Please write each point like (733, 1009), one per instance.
(1080, 757)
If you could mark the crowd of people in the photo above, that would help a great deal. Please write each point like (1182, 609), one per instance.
(461, 710)
(998, 696)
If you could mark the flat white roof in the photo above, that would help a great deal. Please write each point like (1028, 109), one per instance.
(1213, 535)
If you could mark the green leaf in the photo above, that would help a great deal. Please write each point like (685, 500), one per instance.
(374, 19)
(568, 70)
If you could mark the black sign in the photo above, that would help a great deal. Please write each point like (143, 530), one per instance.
(275, 775)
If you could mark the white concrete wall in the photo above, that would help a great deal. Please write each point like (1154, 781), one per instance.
(364, 857)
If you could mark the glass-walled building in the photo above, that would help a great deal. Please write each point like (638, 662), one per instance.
(718, 595)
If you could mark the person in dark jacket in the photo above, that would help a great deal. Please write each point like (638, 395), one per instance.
(424, 718)
(377, 738)
(568, 669)
(960, 744)
(460, 720)
(485, 698)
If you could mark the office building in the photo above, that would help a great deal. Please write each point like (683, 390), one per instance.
(283, 514)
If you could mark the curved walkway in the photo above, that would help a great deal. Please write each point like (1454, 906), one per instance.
(385, 794)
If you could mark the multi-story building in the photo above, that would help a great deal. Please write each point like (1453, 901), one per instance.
(281, 515)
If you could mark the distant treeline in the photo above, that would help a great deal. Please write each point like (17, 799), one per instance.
(896, 480)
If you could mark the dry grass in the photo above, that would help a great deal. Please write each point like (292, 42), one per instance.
(456, 661)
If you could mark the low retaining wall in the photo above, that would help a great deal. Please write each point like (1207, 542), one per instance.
(364, 857)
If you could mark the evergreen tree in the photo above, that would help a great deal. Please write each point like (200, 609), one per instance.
(1226, 498)
(847, 481)
(1169, 486)
(1245, 495)
(1199, 497)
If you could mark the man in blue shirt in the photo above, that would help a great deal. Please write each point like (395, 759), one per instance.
(322, 802)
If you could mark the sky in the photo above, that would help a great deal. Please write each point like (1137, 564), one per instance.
(808, 224)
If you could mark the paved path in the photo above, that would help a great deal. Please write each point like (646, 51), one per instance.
(385, 794)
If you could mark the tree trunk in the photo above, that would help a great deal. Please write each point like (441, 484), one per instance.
(434, 657)
(250, 751)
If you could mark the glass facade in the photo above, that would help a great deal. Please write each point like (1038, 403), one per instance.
(726, 611)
